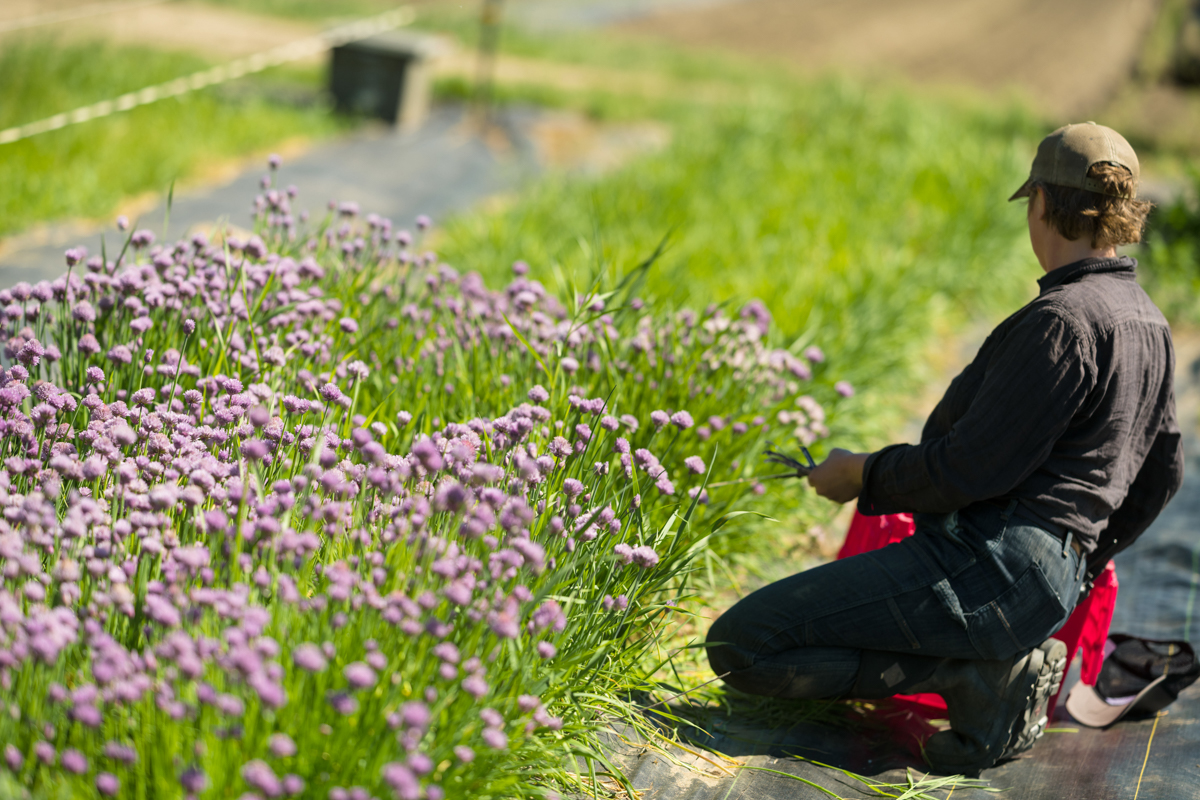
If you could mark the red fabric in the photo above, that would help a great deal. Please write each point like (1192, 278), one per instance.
(1085, 630)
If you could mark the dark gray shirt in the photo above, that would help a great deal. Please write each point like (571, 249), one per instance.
(1068, 407)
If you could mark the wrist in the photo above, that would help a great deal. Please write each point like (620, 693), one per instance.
(855, 468)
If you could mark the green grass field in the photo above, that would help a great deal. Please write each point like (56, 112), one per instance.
(867, 221)
(88, 169)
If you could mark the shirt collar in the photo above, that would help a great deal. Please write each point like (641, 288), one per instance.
(1077, 269)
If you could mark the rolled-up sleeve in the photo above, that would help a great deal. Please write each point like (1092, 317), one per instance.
(1032, 387)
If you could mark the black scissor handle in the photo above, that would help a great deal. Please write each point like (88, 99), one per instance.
(784, 460)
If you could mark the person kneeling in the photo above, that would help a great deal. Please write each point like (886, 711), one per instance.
(1053, 450)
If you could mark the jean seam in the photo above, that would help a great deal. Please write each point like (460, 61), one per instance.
(903, 625)
(761, 643)
(1004, 621)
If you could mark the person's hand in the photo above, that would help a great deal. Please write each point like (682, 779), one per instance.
(840, 476)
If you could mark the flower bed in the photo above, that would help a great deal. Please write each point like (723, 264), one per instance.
(310, 513)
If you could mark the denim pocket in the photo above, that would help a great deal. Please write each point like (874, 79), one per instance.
(1020, 618)
(940, 544)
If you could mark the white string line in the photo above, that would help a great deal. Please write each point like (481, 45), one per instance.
(69, 14)
(235, 69)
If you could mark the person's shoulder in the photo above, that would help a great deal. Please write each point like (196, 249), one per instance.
(1055, 310)
(1099, 304)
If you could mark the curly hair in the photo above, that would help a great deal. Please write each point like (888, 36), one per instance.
(1114, 218)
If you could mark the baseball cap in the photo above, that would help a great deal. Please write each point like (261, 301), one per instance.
(1065, 156)
(1139, 677)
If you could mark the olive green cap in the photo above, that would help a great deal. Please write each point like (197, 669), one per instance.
(1065, 156)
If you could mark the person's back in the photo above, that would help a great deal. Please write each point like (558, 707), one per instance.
(1098, 330)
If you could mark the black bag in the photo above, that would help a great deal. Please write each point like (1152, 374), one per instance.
(1139, 678)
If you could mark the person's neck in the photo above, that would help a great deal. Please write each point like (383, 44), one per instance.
(1061, 251)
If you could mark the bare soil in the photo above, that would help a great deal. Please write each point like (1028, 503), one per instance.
(1067, 57)
(213, 31)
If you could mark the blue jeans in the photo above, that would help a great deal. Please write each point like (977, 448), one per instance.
(980, 583)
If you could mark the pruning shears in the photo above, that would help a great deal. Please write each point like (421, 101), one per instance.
(798, 470)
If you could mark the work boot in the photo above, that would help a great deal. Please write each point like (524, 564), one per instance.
(997, 709)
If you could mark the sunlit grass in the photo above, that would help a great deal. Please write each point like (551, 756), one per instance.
(871, 216)
(88, 169)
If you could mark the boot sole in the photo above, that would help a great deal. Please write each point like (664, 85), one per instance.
(1047, 666)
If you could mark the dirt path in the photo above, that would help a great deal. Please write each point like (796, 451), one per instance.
(213, 31)
(1066, 56)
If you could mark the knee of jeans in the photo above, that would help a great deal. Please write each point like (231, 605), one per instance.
(724, 653)
(746, 681)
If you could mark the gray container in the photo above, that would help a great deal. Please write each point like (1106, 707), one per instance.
(385, 76)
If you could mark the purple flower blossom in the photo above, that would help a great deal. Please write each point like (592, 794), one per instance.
(645, 459)
(13, 758)
(119, 752)
(494, 738)
(281, 745)
(844, 389)
(415, 714)
(83, 311)
(359, 675)
(343, 703)
(694, 464)
(756, 311)
(402, 780)
(258, 775)
(420, 763)
(538, 394)
(74, 761)
(45, 753)
(814, 354)
(475, 686)
(548, 616)
(309, 657)
(645, 557)
(193, 780)
(255, 449)
(120, 355)
(682, 420)
(427, 454)
(659, 418)
(107, 784)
